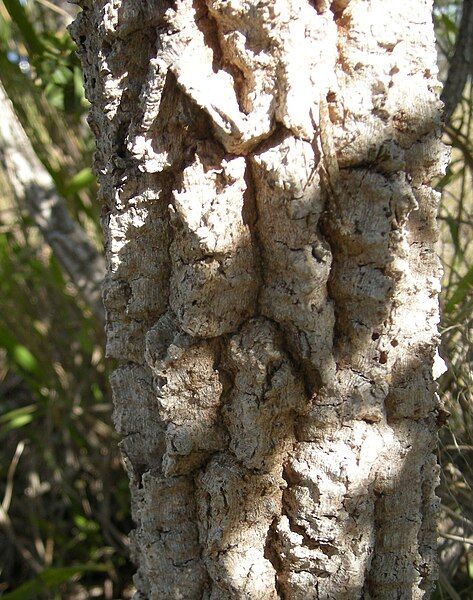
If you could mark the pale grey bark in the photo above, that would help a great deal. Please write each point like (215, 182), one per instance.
(272, 287)
(36, 192)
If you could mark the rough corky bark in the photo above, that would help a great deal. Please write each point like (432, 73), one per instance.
(266, 173)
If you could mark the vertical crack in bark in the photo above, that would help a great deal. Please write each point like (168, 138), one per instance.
(271, 554)
(250, 218)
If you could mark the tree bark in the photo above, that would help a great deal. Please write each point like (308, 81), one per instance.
(35, 190)
(266, 172)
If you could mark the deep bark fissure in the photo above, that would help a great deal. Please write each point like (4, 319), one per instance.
(250, 218)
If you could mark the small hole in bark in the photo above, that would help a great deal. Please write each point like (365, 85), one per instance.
(319, 5)
(338, 6)
(331, 97)
(394, 343)
(122, 133)
(138, 471)
(383, 358)
(316, 253)
(375, 336)
(160, 381)
(389, 47)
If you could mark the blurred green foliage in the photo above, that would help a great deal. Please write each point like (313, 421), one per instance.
(65, 509)
(456, 385)
(49, 580)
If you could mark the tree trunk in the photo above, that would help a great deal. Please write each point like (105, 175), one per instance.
(36, 193)
(272, 285)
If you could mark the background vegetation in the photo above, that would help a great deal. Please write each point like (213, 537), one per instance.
(64, 513)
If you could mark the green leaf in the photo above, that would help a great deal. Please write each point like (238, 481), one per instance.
(55, 576)
(454, 232)
(79, 86)
(5, 31)
(17, 423)
(17, 418)
(461, 290)
(55, 272)
(86, 525)
(448, 23)
(54, 95)
(81, 180)
(12, 415)
(48, 580)
(96, 392)
(23, 357)
(20, 356)
(61, 76)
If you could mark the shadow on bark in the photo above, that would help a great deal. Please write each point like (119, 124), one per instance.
(245, 484)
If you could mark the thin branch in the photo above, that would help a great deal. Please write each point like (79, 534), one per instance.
(457, 517)
(457, 538)
(462, 145)
(54, 8)
(11, 474)
(34, 187)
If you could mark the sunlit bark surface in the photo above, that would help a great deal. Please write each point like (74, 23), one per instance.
(266, 172)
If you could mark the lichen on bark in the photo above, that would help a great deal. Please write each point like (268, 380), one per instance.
(276, 328)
